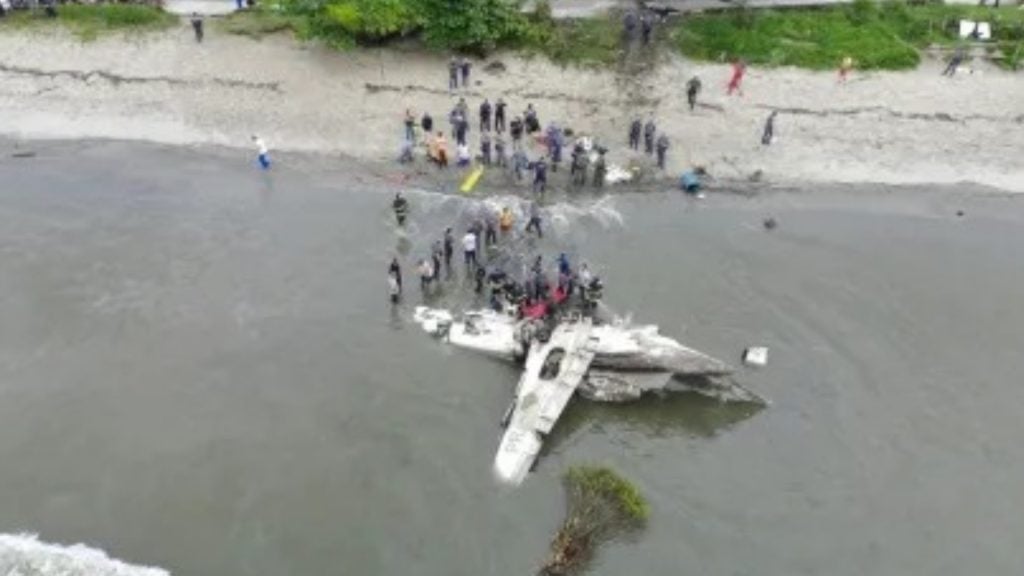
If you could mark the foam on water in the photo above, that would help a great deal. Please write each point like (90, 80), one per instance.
(26, 555)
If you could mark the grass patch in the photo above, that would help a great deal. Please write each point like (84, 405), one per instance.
(257, 23)
(591, 42)
(90, 21)
(887, 36)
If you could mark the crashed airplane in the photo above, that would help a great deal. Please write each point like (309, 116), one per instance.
(603, 362)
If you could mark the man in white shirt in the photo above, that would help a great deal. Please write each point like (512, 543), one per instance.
(263, 155)
(469, 249)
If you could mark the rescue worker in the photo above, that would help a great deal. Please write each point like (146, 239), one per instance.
(600, 169)
(499, 116)
(692, 90)
(662, 148)
(466, 65)
(516, 130)
(649, 131)
(401, 207)
(540, 176)
(635, 127)
(485, 116)
(580, 162)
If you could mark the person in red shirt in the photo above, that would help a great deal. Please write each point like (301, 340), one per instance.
(738, 69)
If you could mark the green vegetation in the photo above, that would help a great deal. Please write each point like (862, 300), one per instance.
(472, 26)
(600, 505)
(878, 36)
(89, 21)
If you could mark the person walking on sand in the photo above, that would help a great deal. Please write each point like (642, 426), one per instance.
(453, 74)
(485, 149)
(540, 176)
(469, 249)
(465, 65)
(197, 26)
(499, 116)
(662, 147)
(692, 91)
(769, 129)
(485, 116)
(500, 157)
(958, 58)
(635, 127)
(427, 123)
(401, 208)
(534, 222)
(516, 130)
(262, 153)
(844, 69)
(650, 129)
(449, 249)
(600, 169)
(739, 68)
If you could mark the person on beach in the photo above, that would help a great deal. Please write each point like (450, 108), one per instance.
(532, 122)
(405, 155)
(461, 127)
(427, 123)
(426, 271)
(500, 157)
(449, 249)
(635, 128)
(646, 27)
(490, 230)
(739, 68)
(516, 130)
(692, 91)
(554, 138)
(485, 116)
(395, 270)
(769, 129)
(540, 176)
(662, 148)
(436, 254)
(520, 163)
(401, 208)
(262, 153)
(580, 162)
(844, 68)
(505, 220)
(410, 126)
(465, 65)
(478, 276)
(485, 149)
(534, 222)
(462, 156)
(600, 169)
(394, 289)
(499, 116)
(469, 249)
(453, 74)
(439, 150)
(958, 58)
(197, 26)
(650, 129)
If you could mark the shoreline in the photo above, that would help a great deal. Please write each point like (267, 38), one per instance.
(901, 128)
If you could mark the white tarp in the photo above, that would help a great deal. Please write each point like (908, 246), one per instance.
(967, 28)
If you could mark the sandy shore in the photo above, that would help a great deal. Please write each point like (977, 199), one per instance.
(915, 127)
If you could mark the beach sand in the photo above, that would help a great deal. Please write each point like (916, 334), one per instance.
(896, 128)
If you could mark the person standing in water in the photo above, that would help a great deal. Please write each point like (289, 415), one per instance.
(469, 249)
(534, 223)
(395, 271)
(262, 153)
(401, 207)
(540, 176)
(635, 127)
(449, 249)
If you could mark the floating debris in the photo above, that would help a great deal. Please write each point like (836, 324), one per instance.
(755, 356)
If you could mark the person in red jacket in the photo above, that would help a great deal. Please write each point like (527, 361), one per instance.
(738, 69)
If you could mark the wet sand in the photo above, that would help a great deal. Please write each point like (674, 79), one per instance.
(912, 127)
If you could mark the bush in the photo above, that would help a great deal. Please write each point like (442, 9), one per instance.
(473, 25)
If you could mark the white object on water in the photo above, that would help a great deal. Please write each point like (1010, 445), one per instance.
(755, 356)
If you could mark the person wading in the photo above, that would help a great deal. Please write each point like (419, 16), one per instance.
(401, 208)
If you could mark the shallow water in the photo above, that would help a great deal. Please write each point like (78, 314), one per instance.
(199, 371)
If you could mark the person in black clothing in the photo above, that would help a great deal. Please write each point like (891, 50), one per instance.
(401, 208)
(197, 26)
(540, 176)
(692, 90)
(662, 148)
(769, 128)
(516, 130)
(453, 74)
(460, 131)
(449, 249)
(600, 169)
(485, 149)
(635, 128)
(465, 65)
(490, 233)
(629, 26)
(532, 122)
(499, 116)
(479, 277)
(485, 116)
(649, 131)
(427, 122)
(646, 27)
(395, 270)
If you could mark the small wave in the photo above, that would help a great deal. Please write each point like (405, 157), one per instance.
(25, 555)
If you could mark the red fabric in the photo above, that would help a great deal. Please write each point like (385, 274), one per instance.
(536, 311)
(558, 295)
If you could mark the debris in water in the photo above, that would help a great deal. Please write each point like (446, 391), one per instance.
(600, 505)
(755, 356)
(959, 213)
(24, 154)
(770, 223)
